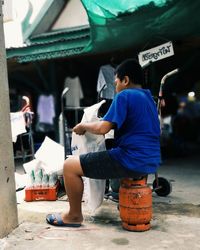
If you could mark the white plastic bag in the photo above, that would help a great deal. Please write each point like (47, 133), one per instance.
(52, 155)
(93, 189)
(18, 125)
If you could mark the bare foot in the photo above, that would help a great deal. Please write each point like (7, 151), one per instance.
(69, 218)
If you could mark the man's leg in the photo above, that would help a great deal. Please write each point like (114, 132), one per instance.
(72, 173)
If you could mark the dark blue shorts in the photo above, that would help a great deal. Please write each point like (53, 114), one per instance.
(99, 165)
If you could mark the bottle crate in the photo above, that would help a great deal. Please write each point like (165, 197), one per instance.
(41, 193)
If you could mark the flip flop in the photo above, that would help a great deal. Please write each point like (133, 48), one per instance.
(56, 220)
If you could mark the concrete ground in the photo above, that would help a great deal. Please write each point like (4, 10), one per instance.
(175, 224)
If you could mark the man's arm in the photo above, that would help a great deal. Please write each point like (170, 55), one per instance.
(99, 127)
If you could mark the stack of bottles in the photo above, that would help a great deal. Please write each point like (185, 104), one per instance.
(39, 178)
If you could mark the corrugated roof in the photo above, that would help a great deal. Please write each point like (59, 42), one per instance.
(51, 45)
(62, 34)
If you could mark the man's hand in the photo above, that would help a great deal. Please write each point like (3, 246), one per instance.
(79, 129)
(98, 128)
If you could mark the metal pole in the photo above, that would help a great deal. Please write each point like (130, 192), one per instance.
(63, 118)
(8, 205)
(161, 85)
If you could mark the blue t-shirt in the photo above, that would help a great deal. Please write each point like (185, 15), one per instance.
(137, 131)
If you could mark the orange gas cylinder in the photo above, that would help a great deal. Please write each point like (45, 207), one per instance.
(135, 204)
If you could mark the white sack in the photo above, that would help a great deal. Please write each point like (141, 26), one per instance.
(93, 189)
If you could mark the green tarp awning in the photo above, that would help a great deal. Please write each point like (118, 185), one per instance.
(120, 24)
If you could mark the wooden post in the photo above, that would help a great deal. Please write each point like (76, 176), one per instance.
(8, 205)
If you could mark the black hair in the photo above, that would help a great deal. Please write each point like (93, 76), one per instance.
(132, 69)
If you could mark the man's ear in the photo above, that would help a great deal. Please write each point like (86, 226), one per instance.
(126, 80)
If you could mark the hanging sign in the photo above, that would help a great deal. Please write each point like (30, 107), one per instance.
(155, 54)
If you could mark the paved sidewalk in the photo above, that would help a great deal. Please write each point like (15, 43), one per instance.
(175, 223)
